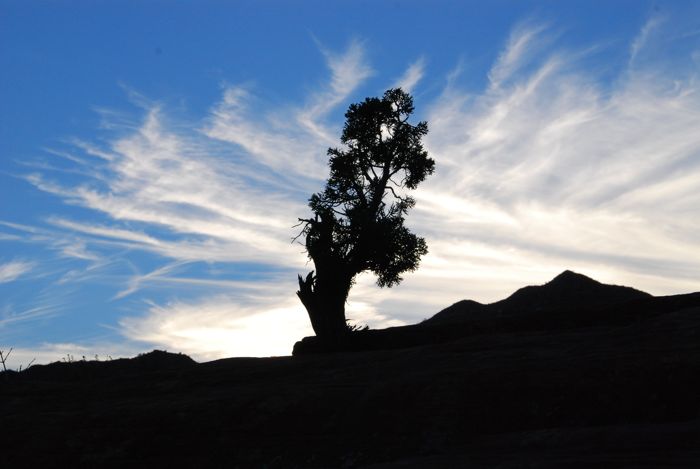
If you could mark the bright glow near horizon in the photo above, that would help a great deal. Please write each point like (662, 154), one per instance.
(152, 173)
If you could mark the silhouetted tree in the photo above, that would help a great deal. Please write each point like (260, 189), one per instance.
(358, 219)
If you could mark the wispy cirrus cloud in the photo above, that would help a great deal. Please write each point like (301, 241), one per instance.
(556, 167)
(523, 44)
(9, 315)
(348, 70)
(290, 143)
(644, 36)
(409, 80)
(161, 179)
(11, 271)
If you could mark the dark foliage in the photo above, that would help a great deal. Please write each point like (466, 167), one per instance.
(358, 219)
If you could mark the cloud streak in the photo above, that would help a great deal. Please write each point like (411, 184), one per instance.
(520, 47)
(412, 76)
(11, 271)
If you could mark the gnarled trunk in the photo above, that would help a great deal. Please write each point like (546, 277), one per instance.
(324, 297)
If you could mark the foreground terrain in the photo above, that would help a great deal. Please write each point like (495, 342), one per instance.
(546, 378)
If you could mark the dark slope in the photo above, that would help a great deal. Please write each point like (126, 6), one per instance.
(569, 300)
(622, 396)
(153, 362)
(577, 386)
(458, 311)
(521, 321)
(566, 290)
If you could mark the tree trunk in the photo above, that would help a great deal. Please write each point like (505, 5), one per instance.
(324, 297)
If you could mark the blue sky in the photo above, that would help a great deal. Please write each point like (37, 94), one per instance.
(154, 157)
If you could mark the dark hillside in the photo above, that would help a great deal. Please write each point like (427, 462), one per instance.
(153, 362)
(570, 300)
(460, 311)
(597, 386)
(565, 291)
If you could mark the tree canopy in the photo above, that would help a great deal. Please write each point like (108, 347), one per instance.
(358, 219)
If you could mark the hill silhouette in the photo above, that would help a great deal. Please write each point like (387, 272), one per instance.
(566, 290)
(570, 300)
(561, 380)
(152, 362)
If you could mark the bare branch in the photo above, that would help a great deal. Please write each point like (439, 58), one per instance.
(3, 358)
(371, 168)
(394, 193)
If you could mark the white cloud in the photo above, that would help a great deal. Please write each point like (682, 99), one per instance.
(643, 37)
(77, 249)
(136, 282)
(254, 323)
(11, 271)
(9, 316)
(411, 76)
(273, 153)
(521, 46)
(161, 179)
(289, 143)
(349, 69)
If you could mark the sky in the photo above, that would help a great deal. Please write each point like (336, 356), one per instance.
(155, 157)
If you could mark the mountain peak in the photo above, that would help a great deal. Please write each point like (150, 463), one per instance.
(569, 277)
(565, 291)
(570, 274)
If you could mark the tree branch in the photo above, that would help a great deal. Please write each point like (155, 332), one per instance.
(394, 193)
